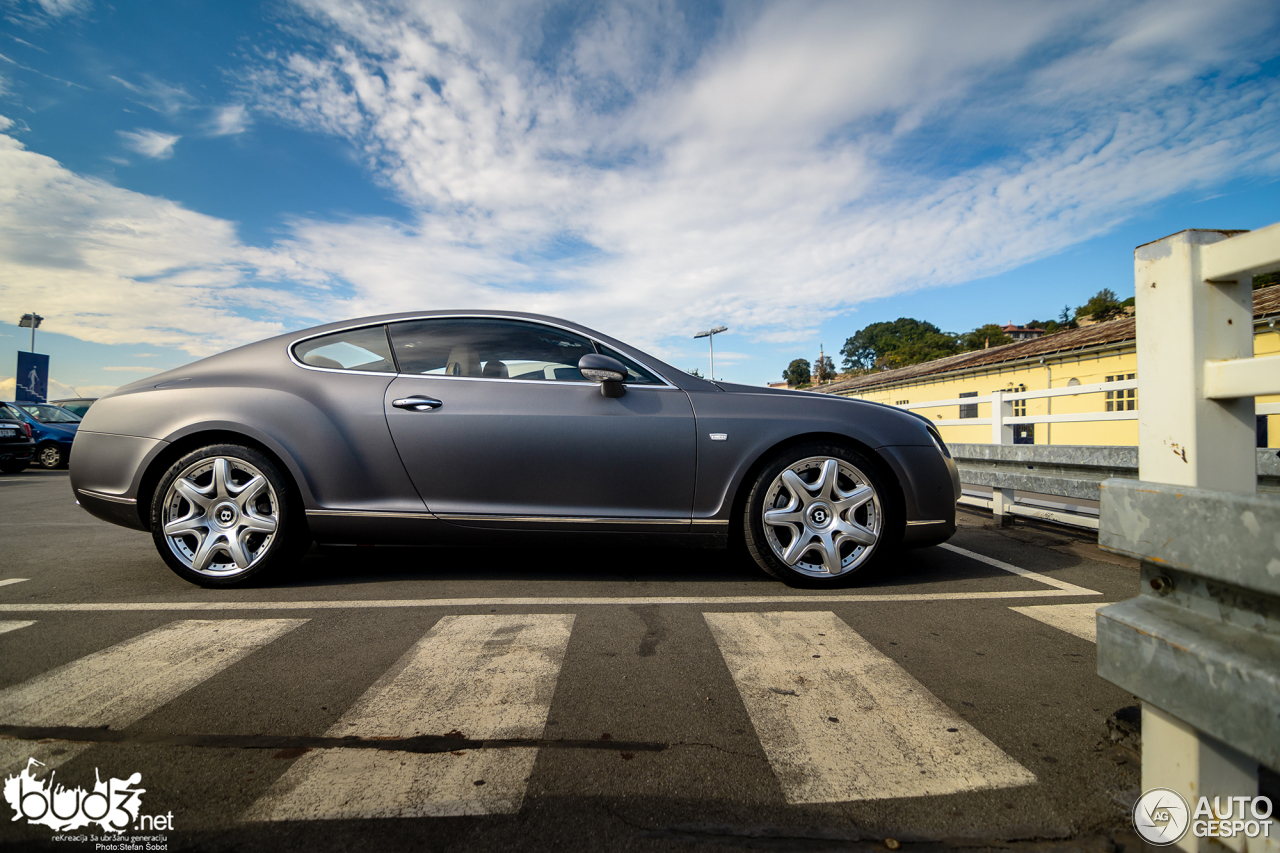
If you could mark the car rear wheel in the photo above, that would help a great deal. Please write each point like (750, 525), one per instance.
(50, 456)
(818, 514)
(225, 513)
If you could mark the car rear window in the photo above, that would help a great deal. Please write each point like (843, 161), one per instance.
(353, 349)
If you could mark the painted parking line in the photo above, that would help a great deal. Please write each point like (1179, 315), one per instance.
(839, 721)
(6, 627)
(1078, 619)
(1069, 588)
(8, 581)
(121, 684)
(480, 677)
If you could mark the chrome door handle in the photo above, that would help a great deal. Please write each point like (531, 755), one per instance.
(417, 404)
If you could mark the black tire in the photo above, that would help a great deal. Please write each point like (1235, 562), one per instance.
(231, 518)
(859, 529)
(50, 456)
(14, 466)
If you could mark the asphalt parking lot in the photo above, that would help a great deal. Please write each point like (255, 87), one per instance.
(554, 698)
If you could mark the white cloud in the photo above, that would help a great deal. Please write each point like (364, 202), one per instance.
(646, 172)
(158, 95)
(62, 8)
(150, 143)
(134, 369)
(113, 266)
(801, 161)
(229, 120)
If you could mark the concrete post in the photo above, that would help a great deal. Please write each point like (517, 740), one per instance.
(1001, 499)
(1182, 322)
(1188, 440)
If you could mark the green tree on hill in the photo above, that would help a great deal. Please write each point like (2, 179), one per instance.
(1103, 306)
(984, 336)
(897, 344)
(825, 369)
(798, 373)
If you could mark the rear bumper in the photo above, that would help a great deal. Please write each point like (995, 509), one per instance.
(106, 471)
(17, 451)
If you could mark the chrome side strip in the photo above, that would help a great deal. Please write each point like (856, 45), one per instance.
(565, 519)
(358, 513)
(103, 496)
(921, 523)
(519, 519)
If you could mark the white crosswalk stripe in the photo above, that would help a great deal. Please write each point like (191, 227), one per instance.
(481, 676)
(1078, 619)
(121, 684)
(839, 721)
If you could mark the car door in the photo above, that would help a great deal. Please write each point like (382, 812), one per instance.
(497, 427)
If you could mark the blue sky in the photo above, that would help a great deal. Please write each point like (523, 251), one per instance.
(178, 177)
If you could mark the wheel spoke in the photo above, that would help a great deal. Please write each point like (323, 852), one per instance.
(800, 543)
(785, 516)
(852, 500)
(830, 549)
(246, 494)
(799, 488)
(255, 522)
(193, 493)
(826, 486)
(857, 533)
(188, 524)
(204, 554)
(222, 487)
(235, 547)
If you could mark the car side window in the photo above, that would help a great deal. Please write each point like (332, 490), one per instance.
(488, 348)
(354, 349)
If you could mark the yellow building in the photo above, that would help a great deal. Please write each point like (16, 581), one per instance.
(1103, 352)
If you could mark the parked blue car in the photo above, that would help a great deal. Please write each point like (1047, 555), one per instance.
(52, 427)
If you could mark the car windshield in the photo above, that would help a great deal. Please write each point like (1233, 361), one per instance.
(47, 414)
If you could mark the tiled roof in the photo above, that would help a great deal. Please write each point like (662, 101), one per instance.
(1265, 302)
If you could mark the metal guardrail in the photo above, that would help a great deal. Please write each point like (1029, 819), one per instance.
(1074, 472)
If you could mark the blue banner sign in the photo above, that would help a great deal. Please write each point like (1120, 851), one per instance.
(33, 378)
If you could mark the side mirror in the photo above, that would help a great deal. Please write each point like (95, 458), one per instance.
(609, 372)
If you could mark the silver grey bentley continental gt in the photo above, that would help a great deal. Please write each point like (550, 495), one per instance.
(453, 427)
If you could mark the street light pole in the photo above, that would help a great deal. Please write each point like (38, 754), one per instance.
(710, 335)
(31, 320)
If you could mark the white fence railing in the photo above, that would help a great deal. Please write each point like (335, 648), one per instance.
(1195, 645)
(1002, 418)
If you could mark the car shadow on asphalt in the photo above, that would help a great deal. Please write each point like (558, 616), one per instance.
(346, 565)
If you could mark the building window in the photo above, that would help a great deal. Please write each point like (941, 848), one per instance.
(1019, 406)
(1122, 401)
(901, 402)
(969, 410)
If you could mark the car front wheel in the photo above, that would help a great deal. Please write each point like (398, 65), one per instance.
(818, 514)
(225, 513)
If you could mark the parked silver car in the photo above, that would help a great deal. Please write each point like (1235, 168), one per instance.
(449, 427)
